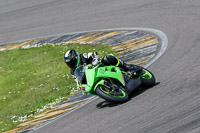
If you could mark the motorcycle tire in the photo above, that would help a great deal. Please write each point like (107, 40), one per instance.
(147, 79)
(101, 92)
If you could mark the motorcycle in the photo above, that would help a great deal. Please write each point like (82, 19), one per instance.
(110, 82)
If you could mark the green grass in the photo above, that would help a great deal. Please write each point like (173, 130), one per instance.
(32, 78)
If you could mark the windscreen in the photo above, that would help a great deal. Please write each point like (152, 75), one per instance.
(79, 73)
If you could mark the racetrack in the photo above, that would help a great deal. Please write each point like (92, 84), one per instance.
(171, 106)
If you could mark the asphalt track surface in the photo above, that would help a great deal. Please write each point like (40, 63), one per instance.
(171, 106)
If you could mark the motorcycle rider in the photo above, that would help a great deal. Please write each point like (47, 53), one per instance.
(73, 59)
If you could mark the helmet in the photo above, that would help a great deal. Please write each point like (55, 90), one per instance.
(72, 58)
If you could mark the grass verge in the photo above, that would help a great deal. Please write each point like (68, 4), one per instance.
(34, 79)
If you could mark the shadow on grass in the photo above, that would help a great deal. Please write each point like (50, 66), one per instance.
(139, 91)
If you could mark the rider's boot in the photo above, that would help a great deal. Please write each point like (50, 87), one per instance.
(130, 67)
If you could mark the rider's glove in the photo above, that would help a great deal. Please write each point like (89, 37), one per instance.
(95, 61)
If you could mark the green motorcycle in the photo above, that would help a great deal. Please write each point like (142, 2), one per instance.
(110, 82)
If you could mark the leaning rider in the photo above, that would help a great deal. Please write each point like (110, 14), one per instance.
(73, 59)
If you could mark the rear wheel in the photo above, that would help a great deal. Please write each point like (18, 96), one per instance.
(147, 79)
(112, 95)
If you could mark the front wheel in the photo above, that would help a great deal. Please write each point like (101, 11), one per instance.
(147, 79)
(118, 95)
